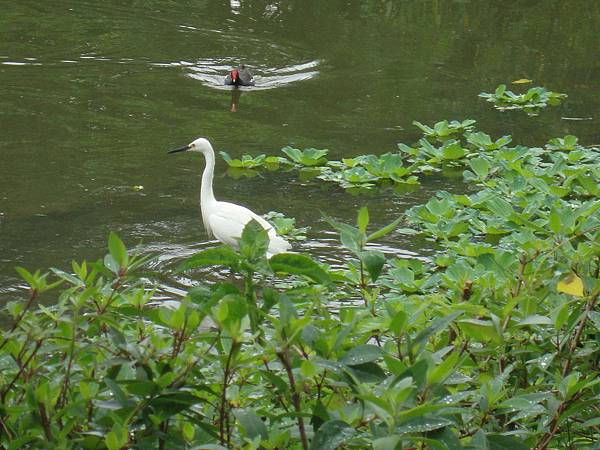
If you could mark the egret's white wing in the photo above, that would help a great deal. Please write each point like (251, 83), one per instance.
(227, 222)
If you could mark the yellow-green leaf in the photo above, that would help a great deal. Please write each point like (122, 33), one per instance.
(522, 81)
(571, 284)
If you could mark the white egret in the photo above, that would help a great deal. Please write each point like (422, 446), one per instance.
(224, 220)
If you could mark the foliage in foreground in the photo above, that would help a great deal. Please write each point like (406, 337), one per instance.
(491, 343)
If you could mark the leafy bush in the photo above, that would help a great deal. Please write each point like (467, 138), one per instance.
(491, 342)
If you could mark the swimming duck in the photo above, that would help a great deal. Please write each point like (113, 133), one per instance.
(240, 76)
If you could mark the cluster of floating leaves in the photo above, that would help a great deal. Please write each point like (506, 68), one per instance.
(531, 101)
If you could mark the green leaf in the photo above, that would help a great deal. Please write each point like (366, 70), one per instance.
(422, 424)
(363, 219)
(369, 372)
(501, 442)
(384, 231)
(386, 443)
(251, 423)
(536, 320)
(442, 371)
(554, 220)
(117, 250)
(499, 206)
(218, 256)
(361, 354)
(143, 388)
(374, 261)
(447, 437)
(480, 166)
(480, 330)
(295, 264)
(117, 437)
(331, 435)
(453, 150)
(254, 241)
(27, 276)
(170, 404)
(439, 324)
(118, 393)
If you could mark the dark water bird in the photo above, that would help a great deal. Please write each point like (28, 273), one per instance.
(223, 220)
(240, 76)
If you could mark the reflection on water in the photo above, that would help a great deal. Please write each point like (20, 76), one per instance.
(235, 99)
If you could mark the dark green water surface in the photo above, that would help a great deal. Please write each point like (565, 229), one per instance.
(93, 93)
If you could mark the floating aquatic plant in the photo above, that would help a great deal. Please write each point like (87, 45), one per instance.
(307, 157)
(286, 226)
(530, 102)
(444, 130)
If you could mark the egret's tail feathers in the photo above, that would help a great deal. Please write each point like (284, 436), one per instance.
(277, 244)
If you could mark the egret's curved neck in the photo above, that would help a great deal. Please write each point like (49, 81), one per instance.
(206, 189)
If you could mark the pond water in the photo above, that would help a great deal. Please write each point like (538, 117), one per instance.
(93, 94)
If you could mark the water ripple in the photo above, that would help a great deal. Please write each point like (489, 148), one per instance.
(212, 72)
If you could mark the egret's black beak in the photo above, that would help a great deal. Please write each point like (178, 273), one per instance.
(181, 149)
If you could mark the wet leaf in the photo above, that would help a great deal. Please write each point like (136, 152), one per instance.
(331, 435)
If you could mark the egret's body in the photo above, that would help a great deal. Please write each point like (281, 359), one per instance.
(223, 220)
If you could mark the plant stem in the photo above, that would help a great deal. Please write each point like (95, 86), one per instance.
(577, 337)
(284, 357)
(6, 390)
(573, 343)
(222, 410)
(32, 297)
(63, 393)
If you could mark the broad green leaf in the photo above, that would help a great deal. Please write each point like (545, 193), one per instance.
(254, 241)
(536, 320)
(295, 264)
(502, 442)
(331, 435)
(117, 437)
(453, 150)
(500, 207)
(423, 424)
(554, 221)
(361, 354)
(170, 404)
(480, 330)
(386, 443)
(118, 393)
(374, 261)
(218, 256)
(368, 372)
(480, 166)
(251, 423)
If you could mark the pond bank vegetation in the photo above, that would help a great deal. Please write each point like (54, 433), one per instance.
(493, 342)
